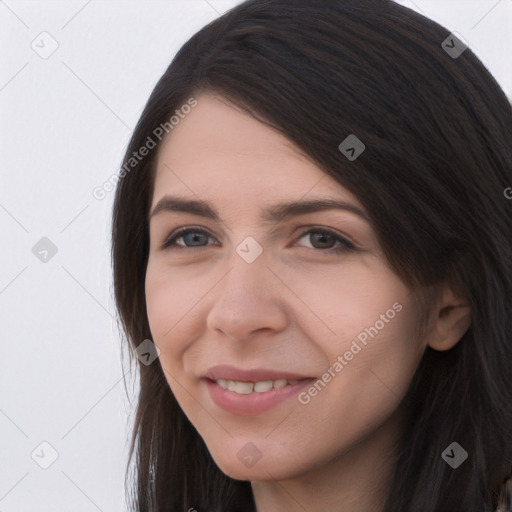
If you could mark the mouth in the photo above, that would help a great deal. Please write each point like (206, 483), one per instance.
(251, 392)
(247, 387)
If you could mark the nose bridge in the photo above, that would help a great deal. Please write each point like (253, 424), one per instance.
(248, 278)
(247, 296)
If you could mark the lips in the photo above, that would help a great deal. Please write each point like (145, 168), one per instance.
(250, 392)
(227, 372)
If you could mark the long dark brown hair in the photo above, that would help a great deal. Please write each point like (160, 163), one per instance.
(438, 158)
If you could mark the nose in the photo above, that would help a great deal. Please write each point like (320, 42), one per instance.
(248, 301)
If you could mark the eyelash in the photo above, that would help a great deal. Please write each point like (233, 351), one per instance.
(345, 245)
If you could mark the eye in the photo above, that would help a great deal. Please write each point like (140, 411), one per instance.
(317, 236)
(324, 236)
(199, 235)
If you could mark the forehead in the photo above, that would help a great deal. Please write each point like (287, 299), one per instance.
(217, 150)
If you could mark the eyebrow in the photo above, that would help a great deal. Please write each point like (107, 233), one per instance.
(275, 214)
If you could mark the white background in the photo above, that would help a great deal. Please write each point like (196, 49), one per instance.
(65, 124)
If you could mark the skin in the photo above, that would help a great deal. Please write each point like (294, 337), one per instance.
(296, 308)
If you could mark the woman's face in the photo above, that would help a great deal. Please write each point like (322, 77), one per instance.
(293, 309)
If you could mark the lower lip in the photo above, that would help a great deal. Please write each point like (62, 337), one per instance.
(254, 403)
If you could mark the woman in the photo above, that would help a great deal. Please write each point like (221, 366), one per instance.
(371, 373)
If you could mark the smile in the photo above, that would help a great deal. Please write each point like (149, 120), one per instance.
(246, 388)
(245, 398)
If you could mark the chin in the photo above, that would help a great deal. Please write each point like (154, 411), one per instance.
(239, 466)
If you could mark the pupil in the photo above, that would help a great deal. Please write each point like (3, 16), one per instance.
(194, 236)
(321, 236)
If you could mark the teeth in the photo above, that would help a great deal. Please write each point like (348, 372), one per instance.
(242, 388)
(262, 386)
(245, 388)
(280, 383)
(222, 383)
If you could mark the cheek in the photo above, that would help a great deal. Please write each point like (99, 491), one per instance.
(349, 293)
(380, 340)
(374, 319)
(171, 294)
(169, 304)
(361, 393)
(160, 304)
(373, 382)
(360, 301)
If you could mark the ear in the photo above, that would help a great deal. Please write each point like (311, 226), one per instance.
(451, 318)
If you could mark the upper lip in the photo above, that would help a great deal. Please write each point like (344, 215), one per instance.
(227, 372)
